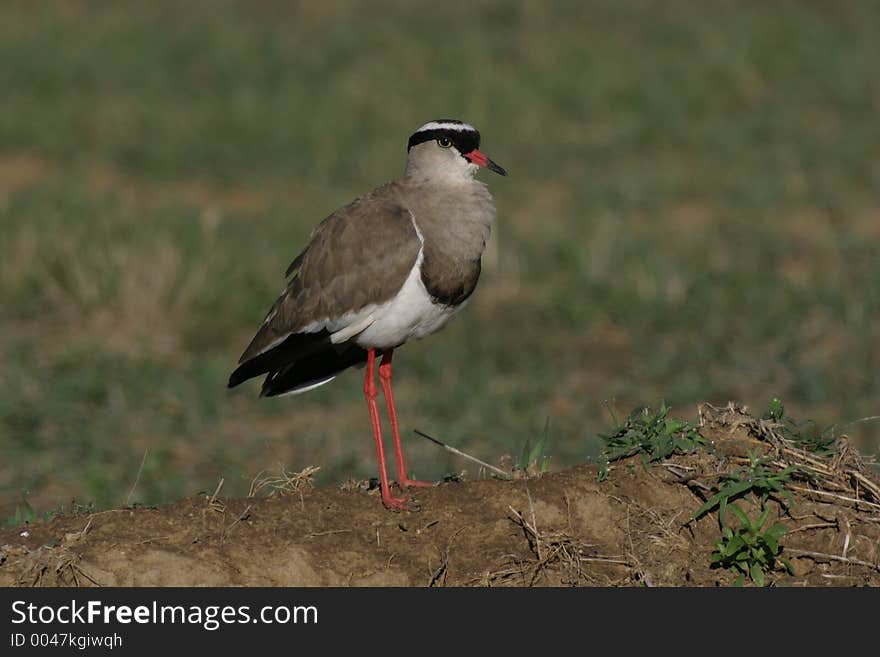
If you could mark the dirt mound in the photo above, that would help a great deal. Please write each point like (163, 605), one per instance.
(820, 525)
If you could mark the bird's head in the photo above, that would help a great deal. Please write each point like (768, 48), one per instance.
(448, 149)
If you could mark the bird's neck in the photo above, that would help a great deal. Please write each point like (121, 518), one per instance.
(444, 175)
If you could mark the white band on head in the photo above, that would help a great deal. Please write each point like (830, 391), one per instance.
(443, 125)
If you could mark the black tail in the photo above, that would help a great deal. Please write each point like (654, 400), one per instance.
(294, 347)
(302, 360)
(312, 370)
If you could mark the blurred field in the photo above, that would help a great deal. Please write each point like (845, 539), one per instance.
(692, 214)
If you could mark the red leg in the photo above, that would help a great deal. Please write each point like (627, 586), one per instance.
(370, 392)
(385, 379)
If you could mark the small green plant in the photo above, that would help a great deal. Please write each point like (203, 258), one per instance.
(808, 436)
(651, 434)
(805, 435)
(759, 479)
(532, 460)
(24, 513)
(775, 410)
(140, 505)
(749, 551)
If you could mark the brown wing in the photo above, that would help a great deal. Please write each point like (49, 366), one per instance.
(359, 255)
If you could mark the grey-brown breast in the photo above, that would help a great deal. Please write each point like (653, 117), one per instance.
(455, 223)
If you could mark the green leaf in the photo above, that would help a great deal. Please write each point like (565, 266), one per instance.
(523, 461)
(776, 531)
(603, 470)
(787, 564)
(537, 450)
(757, 574)
(740, 514)
(762, 519)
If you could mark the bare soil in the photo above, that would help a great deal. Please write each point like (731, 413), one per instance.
(561, 529)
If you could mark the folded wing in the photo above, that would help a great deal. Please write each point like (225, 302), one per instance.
(358, 258)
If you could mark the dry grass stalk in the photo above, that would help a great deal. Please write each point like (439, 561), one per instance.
(284, 482)
(857, 503)
(440, 574)
(827, 558)
(244, 515)
(329, 532)
(214, 503)
(841, 478)
(138, 477)
(555, 550)
(73, 537)
(49, 566)
(499, 472)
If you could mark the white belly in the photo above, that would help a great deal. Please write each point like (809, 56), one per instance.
(411, 314)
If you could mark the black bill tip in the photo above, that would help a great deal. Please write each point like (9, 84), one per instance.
(496, 168)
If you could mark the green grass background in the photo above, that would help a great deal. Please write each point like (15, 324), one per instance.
(691, 214)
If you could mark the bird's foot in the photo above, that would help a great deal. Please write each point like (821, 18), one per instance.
(415, 483)
(396, 503)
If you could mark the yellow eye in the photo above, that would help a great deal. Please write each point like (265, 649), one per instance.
(444, 142)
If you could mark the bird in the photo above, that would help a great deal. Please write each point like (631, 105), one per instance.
(396, 264)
